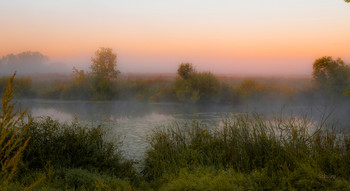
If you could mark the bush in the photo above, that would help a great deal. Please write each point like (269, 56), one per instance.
(74, 146)
(198, 88)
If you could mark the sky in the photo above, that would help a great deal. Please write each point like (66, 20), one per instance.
(155, 36)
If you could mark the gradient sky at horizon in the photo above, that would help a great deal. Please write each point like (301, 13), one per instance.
(222, 36)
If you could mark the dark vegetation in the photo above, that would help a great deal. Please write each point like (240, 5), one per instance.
(330, 81)
(246, 152)
(249, 152)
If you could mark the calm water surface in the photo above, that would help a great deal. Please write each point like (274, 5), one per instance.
(129, 121)
(132, 122)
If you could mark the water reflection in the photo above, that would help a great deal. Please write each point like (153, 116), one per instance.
(134, 120)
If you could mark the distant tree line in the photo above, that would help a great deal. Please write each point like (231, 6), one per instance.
(331, 80)
(28, 62)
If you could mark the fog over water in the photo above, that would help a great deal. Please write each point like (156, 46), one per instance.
(132, 122)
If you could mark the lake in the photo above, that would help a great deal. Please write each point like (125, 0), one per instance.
(132, 122)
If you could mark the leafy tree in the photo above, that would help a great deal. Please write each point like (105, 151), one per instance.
(185, 70)
(348, 1)
(331, 76)
(104, 64)
(104, 73)
(205, 87)
(194, 87)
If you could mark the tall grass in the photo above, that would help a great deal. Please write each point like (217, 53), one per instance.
(74, 145)
(13, 138)
(283, 149)
(245, 152)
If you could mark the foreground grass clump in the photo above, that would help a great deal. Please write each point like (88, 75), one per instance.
(72, 157)
(229, 179)
(74, 146)
(286, 151)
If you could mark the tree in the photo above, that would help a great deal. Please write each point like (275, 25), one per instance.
(194, 87)
(185, 70)
(348, 1)
(104, 73)
(331, 76)
(104, 64)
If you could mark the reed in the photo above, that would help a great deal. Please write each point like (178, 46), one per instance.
(282, 148)
(13, 138)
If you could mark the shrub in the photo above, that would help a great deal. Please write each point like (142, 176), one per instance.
(198, 88)
(74, 146)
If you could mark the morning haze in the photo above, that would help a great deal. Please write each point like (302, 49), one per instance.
(154, 36)
(175, 95)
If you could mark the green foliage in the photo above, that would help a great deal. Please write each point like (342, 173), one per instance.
(52, 92)
(186, 70)
(331, 76)
(22, 85)
(195, 87)
(104, 73)
(99, 84)
(252, 90)
(285, 151)
(209, 179)
(70, 179)
(348, 92)
(304, 178)
(79, 179)
(73, 146)
(80, 88)
(154, 89)
(13, 139)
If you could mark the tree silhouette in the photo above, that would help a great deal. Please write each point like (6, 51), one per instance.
(331, 76)
(104, 73)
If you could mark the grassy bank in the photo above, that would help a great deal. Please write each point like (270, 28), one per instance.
(246, 152)
(249, 152)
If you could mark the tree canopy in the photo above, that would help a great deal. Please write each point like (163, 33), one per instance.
(100, 83)
(104, 64)
(185, 70)
(192, 86)
(331, 76)
(104, 73)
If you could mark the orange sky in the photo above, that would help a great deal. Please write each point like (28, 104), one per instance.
(221, 36)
